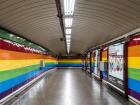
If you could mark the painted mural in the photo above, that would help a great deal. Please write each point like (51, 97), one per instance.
(19, 65)
(134, 67)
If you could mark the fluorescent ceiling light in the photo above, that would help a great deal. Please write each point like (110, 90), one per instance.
(68, 41)
(68, 47)
(68, 44)
(68, 50)
(68, 22)
(68, 36)
(68, 31)
(69, 7)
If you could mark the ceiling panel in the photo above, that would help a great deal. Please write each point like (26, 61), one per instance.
(34, 19)
(95, 21)
(98, 21)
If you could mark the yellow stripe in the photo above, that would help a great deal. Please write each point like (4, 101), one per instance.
(104, 59)
(134, 62)
(14, 64)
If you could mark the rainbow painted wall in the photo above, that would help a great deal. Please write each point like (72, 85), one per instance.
(134, 67)
(104, 59)
(19, 66)
(92, 61)
(70, 62)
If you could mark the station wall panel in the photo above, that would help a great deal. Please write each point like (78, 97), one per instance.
(68, 62)
(19, 67)
(104, 59)
(134, 67)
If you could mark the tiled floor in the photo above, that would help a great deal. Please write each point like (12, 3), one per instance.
(70, 87)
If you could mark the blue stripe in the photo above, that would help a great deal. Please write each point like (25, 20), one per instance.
(69, 65)
(134, 85)
(5, 85)
(51, 65)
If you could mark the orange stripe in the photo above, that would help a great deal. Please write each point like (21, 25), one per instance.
(134, 51)
(104, 55)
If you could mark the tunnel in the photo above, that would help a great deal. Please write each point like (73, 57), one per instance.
(69, 52)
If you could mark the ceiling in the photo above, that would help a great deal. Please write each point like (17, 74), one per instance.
(35, 20)
(95, 21)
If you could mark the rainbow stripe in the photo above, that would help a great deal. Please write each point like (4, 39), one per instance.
(70, 63)
(92, 61)
(19, 68)
(134, 68)
(104, 59)
(104, 55)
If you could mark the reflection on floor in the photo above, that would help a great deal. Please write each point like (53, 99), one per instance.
(70, 87)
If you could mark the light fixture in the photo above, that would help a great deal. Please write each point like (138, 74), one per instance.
(68, 36)
(68, 31)
(68, 50)
(68, 16)
(69, 7)
(68, 41)
(68, 22)
(68, 44)
(68, 47)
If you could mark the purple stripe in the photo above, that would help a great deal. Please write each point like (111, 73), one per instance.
(134, 94)
(11, 90)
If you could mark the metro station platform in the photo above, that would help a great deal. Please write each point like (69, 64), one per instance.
(69, 87)
(69, 52)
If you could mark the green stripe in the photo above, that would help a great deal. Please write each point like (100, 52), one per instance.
(50, 63)
(5, 75)
(134, 73)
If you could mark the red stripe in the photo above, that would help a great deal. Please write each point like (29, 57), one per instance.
(134, 40)
(8, 46)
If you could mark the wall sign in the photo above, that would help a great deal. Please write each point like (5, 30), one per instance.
(96, 62)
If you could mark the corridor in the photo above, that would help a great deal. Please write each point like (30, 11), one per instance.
(69, 87)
